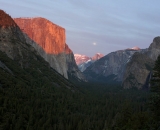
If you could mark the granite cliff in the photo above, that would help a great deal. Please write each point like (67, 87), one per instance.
(21, 66)
(71, 64)
(49, 41)
(139, 70)
(154, 48)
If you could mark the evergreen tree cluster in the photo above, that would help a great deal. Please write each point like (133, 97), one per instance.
(155, 94)
(38, 98)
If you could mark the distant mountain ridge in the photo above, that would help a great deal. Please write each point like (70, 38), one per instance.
(131, 67)
(110, 67)
(84, 61)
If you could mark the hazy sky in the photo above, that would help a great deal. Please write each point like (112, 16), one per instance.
(95, 25)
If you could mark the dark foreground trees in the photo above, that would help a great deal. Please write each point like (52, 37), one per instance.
(29, 102)
(155, 93)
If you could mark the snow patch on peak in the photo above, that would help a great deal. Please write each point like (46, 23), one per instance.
(77, 55)
(97, 56)
(135, 48)
(84, 61)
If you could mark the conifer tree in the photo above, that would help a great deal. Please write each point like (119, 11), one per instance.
(155, 92)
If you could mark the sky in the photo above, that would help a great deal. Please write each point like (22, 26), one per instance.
(95, 26)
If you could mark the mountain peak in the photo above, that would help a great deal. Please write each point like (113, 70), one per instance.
(6, 20)
(81, 58)
(97, 56)
(155, 44)
(135, 48)
(84, 61)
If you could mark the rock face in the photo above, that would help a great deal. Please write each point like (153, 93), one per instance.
(84, 61)
(21, 65)
(47, 35)
(110, 67)
(154, 48)
(49, 40)
(82, 67)
(139, 69)
(11, 40)
(71, 64)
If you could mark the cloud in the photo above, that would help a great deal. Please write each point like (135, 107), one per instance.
(94, 43)
(113, 25)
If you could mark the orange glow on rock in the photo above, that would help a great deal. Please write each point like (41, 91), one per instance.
(46, 34)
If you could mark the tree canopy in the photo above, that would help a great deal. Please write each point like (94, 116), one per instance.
(155, 93)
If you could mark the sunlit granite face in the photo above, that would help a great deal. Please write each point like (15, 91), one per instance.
(50, 42)
(49, 36)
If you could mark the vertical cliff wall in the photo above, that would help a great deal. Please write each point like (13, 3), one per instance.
(50, 41)
(71, 63)
(140, 66)
(137, 71)
(49, 36)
